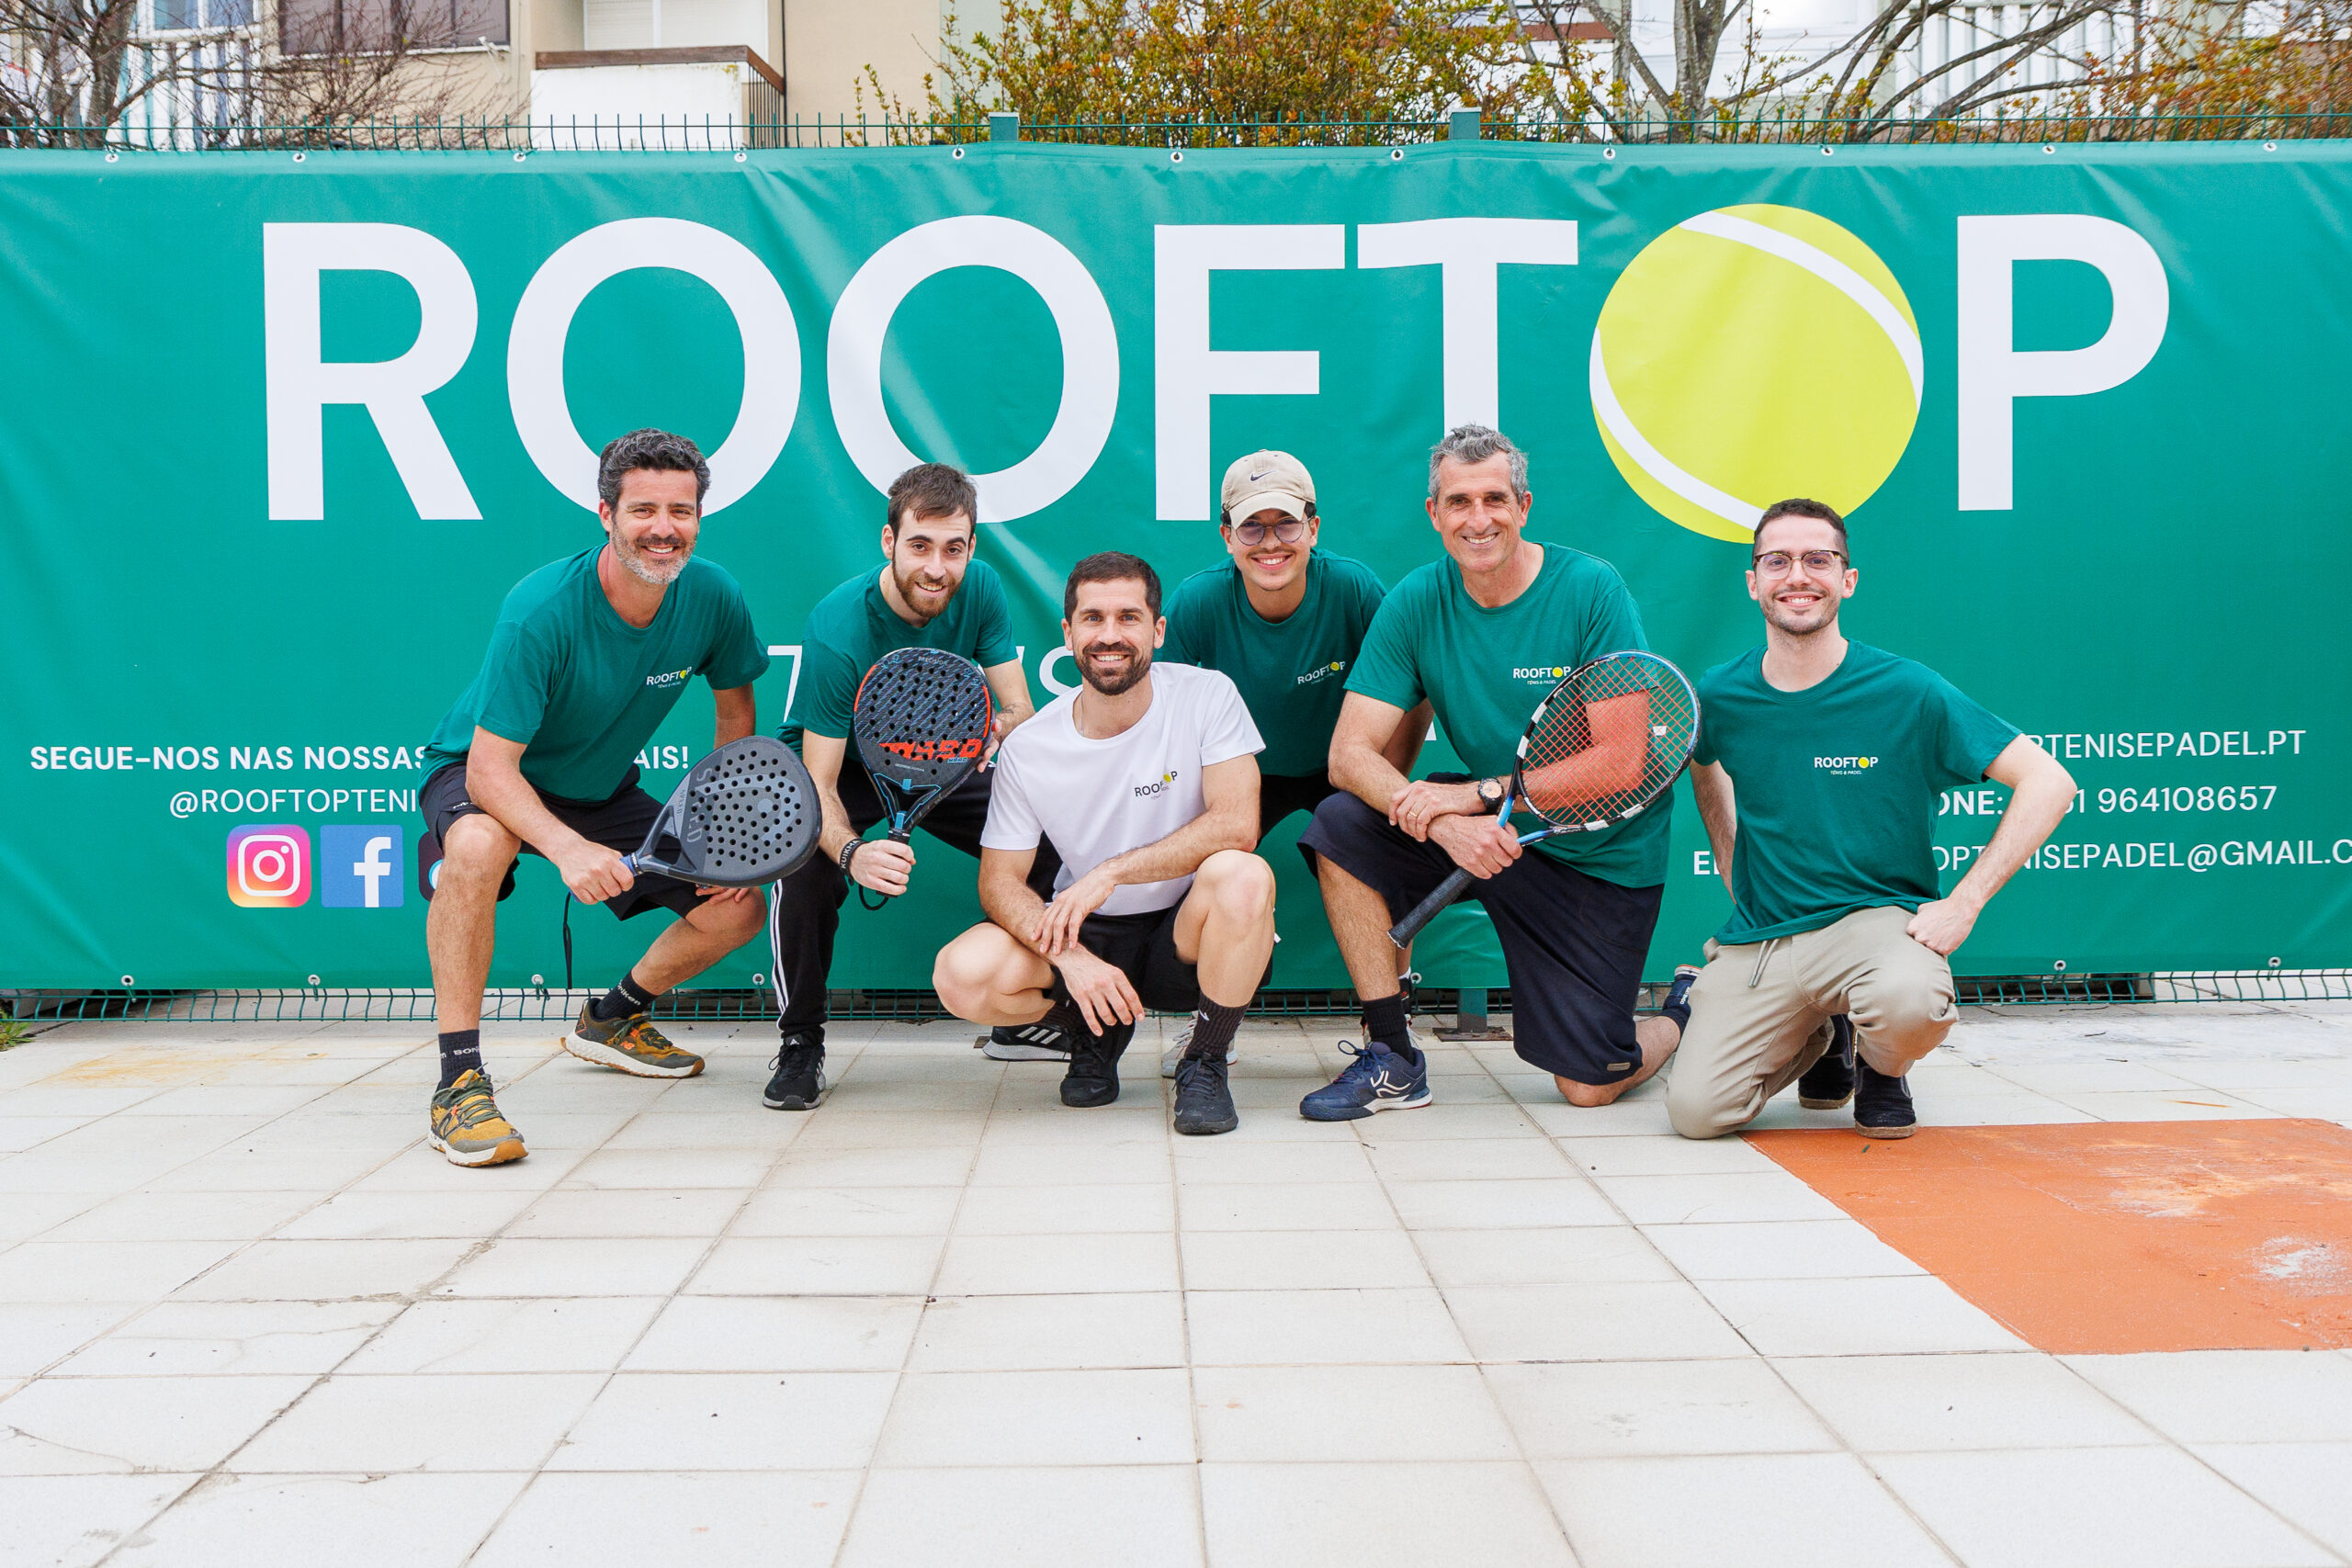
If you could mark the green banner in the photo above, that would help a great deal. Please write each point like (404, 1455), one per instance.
(288, 427)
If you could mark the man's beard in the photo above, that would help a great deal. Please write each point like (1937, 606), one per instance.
(1137, 668)
(651, 573)
(908, 589)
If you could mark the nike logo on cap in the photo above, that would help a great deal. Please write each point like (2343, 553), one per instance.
(1259, 475)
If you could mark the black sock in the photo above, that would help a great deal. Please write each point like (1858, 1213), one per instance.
(460, 1054)
(1677, 1005)
(1213, 1027)
(1383, 1020)
(623, 1000)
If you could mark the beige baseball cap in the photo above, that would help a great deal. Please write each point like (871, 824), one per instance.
(1263, 479)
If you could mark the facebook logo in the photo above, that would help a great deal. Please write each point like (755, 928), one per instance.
(358, 868)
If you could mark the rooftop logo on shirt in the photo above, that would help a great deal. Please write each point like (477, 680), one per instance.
(1845, 767)
(1321, 673)
(1547, 673)
(1157, 784)
(668, 678)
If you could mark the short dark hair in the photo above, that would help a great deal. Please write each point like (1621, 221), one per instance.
(931, 489)
(1798, 506)
(655, 450)
(1112, 566)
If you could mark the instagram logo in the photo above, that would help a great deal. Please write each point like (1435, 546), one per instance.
(270, 868)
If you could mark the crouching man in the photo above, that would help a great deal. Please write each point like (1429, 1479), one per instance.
(1146, 781)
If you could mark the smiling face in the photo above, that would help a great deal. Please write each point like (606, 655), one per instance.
(928, 558)
(1477, 514)
(1270, 565)
(1112, 633)
(654, 525)
(1801, 601)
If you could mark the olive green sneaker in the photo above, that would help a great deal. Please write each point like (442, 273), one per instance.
(465, 1125)
(631, 1044)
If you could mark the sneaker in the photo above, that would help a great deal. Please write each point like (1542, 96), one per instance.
(799, 1082)
(1094, 1076)
(1882, 1105)
(1038, 1042)
(1829, 1083)
(1173, 1057)
(631, 1044)
(465, 1123)
(1379, 1079)
(1204, 1100)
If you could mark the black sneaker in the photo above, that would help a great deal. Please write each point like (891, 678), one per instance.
(1094, 1076)
(1829, 1083)
(1038, 1042)
(1204, 1100)
(799, 1082)
(1882, 1105)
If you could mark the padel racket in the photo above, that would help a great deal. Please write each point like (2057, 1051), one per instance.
(1604, 743)
(923, 717)
(744, 815)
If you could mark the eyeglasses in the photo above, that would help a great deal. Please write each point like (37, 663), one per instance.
(1819, 563)
(1289, 531)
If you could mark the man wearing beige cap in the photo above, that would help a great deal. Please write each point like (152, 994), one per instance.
(1283, 620)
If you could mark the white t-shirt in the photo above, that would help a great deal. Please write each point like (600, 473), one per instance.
(1096, 799)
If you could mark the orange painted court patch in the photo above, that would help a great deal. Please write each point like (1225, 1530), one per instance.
(2113, 1237)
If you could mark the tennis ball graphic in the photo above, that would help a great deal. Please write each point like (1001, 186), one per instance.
(1752, 353)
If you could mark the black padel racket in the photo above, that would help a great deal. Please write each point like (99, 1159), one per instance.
(1603, 744)
(743, 817)
(923, 717)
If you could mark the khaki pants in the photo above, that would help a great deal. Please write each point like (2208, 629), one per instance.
(1759, 1014)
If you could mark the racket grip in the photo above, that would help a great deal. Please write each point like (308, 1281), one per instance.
(1403, 932)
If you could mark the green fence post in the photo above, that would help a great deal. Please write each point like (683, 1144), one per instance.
(1005, 125)
(1462, 125)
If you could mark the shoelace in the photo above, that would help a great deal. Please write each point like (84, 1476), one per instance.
(474, 1106)
(1364, 1069)
(796, 1055)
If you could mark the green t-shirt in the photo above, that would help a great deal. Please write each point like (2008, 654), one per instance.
(581, 688)
(854, 625)
(1292, 671)
(1483, 671)
(1835, 785)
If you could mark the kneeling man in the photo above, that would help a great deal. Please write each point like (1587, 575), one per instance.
(1145, 780)
(1818, 769)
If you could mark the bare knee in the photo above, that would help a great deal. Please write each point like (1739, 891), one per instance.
(1240, 886)
(1587, 1094)
(735, 920)
(476, 847)
(968, 971)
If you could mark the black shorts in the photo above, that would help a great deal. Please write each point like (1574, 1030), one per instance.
(1143, 948)
(1573, 944)
(619, 823)
(1278, 794)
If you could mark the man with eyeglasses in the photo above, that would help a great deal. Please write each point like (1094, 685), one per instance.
(1818, 769)
(1285, 621)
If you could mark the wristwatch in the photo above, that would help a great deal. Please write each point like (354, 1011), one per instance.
(1491, 795)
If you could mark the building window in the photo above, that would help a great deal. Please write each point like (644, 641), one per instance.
(323, 27)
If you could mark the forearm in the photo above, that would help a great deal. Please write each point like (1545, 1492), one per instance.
(2034, 812)
(501, 789)
(1182, 853)
(1404, 747)
(1365, 772)
(1717, 813)
(1007, 899)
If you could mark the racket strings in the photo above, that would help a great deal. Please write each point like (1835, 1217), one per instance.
(1607, 741)
(748, 816)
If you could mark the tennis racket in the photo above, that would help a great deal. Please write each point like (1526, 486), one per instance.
(1605, 742)
(923, 717)
(743, 817)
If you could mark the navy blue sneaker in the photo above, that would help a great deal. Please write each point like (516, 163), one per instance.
(1379, 1079)
(1829, 1083)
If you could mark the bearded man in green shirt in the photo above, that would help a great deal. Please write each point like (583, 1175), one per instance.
(1482, 634)
(1818, 769)
(1285, 621)
(538, 756)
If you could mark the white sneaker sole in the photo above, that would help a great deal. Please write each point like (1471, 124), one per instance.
(494, 1155)
(998, 1051)
(605, 1057)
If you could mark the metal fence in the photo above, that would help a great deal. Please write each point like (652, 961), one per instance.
(522, 135)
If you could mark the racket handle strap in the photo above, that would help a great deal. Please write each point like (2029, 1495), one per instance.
(1403, 932)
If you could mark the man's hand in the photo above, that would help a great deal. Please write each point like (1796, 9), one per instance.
(883, 864)
(1417, 807)
(1942, 925)
(1100, 990)
(592, 872)
(1479, 845)
(725, 894)
(1058, 930)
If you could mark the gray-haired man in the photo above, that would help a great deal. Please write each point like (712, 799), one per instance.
(1481, 634)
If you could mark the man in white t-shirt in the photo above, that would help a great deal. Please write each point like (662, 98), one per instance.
(1145, 783)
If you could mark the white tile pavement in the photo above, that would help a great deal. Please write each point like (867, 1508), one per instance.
(244, 1315)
